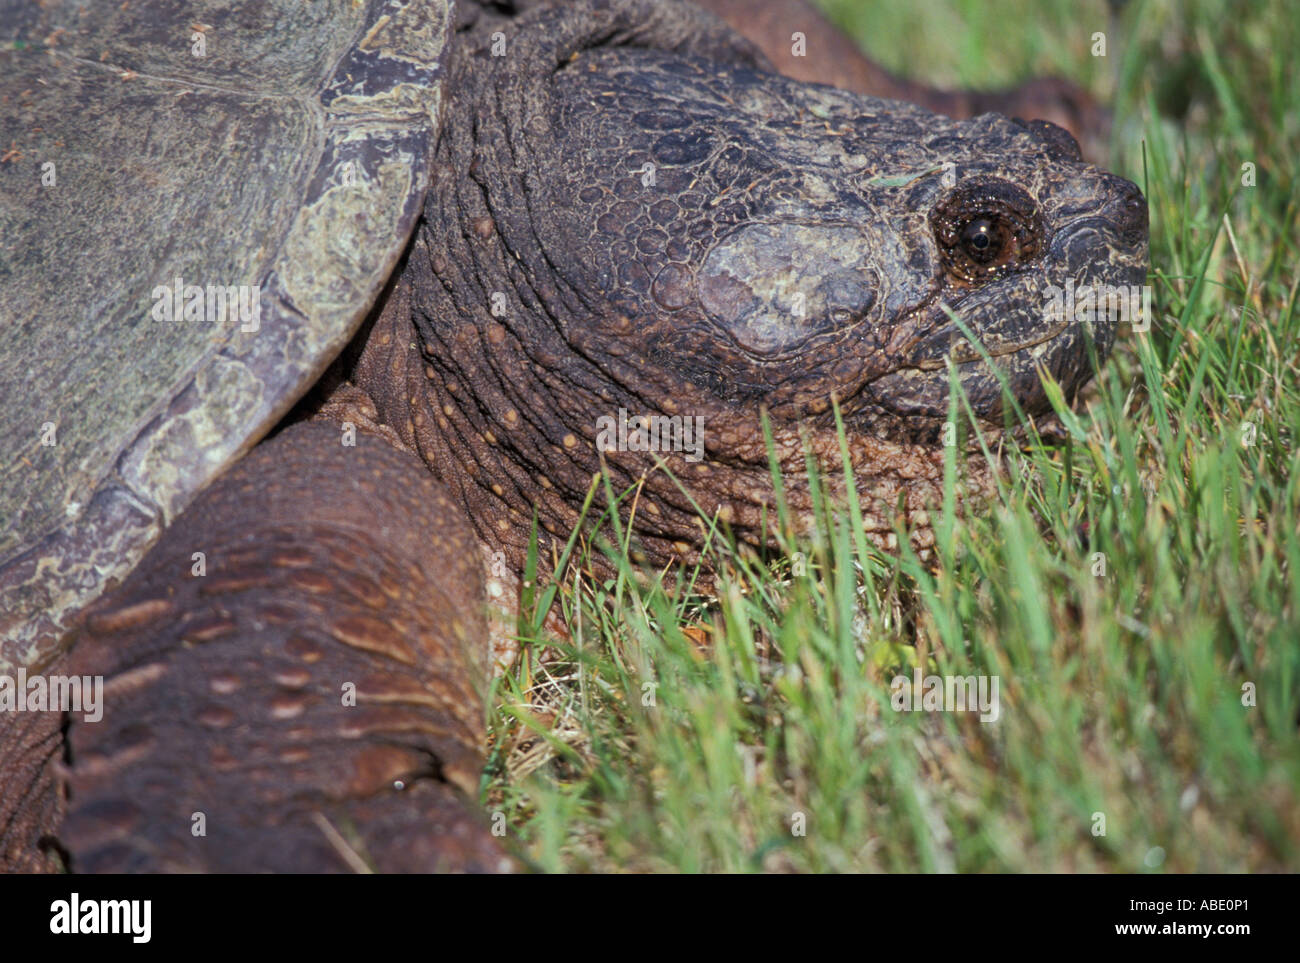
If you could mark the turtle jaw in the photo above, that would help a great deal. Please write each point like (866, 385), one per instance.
(1004, 368)
(1040, 319)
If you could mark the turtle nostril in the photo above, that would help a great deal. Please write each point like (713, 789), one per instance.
(1133, 216)
(1128, 210)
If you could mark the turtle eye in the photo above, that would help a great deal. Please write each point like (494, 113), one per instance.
(983, 238)
(985, 228)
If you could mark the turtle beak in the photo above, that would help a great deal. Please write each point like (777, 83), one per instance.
(933, 351)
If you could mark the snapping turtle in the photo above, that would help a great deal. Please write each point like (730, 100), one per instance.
(623, 211)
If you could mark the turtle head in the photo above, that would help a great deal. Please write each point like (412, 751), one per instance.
(633, 230)
(1022, 256)
(786, 243)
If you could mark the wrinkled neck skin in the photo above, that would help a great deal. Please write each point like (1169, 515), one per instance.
(515, 426)
(519, 355)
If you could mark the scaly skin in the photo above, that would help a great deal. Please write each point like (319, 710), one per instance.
(327, 566)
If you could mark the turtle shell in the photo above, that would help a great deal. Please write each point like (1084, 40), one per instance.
(200, 203)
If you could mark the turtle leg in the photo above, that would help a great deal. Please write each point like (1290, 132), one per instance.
(291, 677)
(828, 56)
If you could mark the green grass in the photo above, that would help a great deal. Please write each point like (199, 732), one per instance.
(1122, 693)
